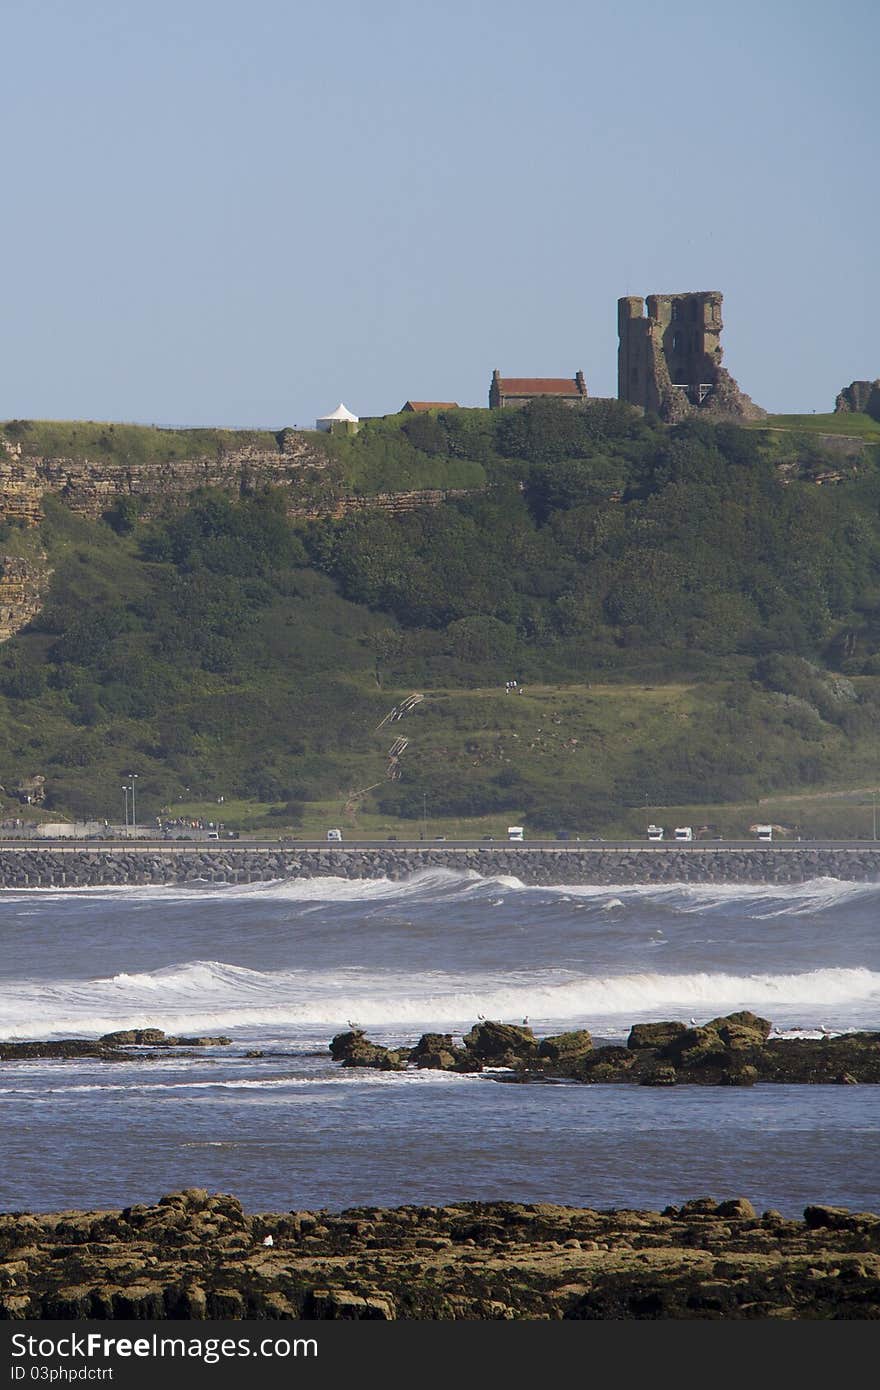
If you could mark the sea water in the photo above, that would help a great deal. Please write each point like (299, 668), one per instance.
(281, 967)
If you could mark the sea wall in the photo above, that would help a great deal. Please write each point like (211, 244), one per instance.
(40, 867)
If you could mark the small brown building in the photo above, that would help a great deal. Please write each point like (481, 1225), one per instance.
(421, 407)
(519, 390)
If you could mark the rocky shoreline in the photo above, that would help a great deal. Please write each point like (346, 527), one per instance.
(112, 1047)
(37, 867)
(736, 1050)
(739, 1049)
(196, 1256)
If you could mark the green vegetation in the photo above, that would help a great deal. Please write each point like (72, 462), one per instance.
(849, 423)
(694, 630)
(133, 444)
(403, 453)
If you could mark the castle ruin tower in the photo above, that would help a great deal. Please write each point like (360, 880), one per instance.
(669, 360)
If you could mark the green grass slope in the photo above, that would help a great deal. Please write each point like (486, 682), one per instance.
(849, 424)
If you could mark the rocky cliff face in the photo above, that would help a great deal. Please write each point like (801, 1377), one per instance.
(90, 487)
(23, 584)
(394, 502)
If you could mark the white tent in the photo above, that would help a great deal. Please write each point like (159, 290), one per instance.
(341, 413)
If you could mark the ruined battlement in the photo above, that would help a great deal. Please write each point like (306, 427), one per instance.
(669, 358)
(861, 396)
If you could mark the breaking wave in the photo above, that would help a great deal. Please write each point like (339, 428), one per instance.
(446, 885)
(206, 996)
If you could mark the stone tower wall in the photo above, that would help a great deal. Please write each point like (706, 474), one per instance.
(669, 358)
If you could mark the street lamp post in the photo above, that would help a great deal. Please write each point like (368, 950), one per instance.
(133, 778)
(874, 813)
(125, 798)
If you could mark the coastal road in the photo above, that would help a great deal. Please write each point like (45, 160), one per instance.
(439, 843)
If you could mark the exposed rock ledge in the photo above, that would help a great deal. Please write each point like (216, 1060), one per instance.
(112, 1047)
(195, 1256)
(736, 1050)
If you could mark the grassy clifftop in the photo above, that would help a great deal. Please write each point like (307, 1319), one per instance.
(132, 444)
(850, 424)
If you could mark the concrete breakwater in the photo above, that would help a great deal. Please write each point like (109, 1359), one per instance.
(38, 867)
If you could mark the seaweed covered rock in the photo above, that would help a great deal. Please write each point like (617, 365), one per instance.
(741, 1025)
(846, 1059)
(353, 1049)
(501, 1043)
(125, 1037)
(566, 1046)
(696, 1047)
(197, 1255)
(734, 1050)
(438, 1052)
(654, 1034)
(658, 1075)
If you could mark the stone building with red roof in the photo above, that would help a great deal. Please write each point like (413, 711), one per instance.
(519, 390)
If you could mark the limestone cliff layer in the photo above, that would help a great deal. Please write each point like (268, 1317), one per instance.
(90, 487)
(23, 585)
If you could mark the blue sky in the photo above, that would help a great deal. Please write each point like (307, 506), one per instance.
(219, 212)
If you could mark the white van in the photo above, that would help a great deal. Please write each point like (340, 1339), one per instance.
(655, 832)
(764, 833)
(514, 832)
(334, 834)
(683, 832)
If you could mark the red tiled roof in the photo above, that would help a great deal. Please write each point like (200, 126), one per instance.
(430, 405)
(539, 386)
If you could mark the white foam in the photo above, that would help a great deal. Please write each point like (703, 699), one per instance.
(208, 996)
(766, 899)
(345, 1077)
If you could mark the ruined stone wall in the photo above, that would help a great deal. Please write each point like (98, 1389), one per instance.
(861, 396)
(669, 359)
